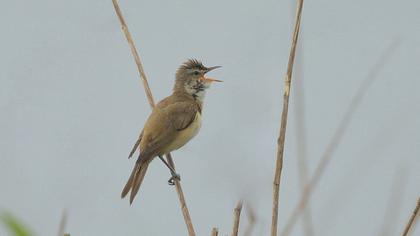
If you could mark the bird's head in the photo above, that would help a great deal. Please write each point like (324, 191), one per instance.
(190, 78)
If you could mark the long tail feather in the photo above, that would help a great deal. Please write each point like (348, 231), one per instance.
(133, 150)
(135, 180)
(138, 179)
(127, 186)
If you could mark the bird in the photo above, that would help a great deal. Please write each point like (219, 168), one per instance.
(174, 121)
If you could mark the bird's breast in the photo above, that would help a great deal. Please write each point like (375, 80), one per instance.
(186, 134)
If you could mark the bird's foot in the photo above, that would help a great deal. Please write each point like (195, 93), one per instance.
(174, 177)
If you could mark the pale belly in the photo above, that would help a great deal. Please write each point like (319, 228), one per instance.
(186, 134)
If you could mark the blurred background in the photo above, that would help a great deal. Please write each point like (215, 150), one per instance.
(72, 105)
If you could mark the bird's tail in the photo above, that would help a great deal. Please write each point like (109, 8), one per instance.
(135, 180)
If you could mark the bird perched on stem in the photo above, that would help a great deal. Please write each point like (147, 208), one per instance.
(173, 122)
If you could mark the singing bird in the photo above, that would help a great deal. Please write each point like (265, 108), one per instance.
(173, 122)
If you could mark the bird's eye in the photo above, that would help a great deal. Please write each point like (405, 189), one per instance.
(196, 73)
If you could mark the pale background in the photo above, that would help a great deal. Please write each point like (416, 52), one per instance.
(72, 105)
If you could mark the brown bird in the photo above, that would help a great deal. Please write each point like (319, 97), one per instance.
(173, 122)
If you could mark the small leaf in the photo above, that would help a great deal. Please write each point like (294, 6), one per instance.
(15, 226)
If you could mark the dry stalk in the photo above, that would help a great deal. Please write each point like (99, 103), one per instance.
(182, 202)
(214, 231)
(63, 223)
(143, 77)
(412, 218)
(236, 218)
(338, 135)
(282, 135)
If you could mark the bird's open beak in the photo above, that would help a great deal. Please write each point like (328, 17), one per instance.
(211, 79)
(207, 79)
(212, 68)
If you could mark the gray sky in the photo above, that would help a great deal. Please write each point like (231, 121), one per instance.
(72, 105)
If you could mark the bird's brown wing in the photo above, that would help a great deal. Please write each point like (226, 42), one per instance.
(160, 130)
(182, 114)
(164, 124)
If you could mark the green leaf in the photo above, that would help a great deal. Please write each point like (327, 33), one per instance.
(15, 226)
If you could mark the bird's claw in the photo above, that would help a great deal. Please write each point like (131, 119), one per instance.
(174, 177)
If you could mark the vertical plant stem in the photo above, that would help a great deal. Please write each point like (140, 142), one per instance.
(182, 202)
(136, 56)
(181, 197)
(236, 218)
(214, 231)
(283, 123)
(63, 223)
(337, 137)
(412, 218)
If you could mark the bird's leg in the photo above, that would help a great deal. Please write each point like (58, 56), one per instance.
(175, 175)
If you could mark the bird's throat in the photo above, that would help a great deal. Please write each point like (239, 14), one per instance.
(199, 96)
(197, 90)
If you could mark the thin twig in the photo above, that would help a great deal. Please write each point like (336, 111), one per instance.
(338, 135)
(236, 218)
(282, 135)
(63, 223)
(412, 218)
(184, 208)
(136, 56)
(214, 231)
(182, 202)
